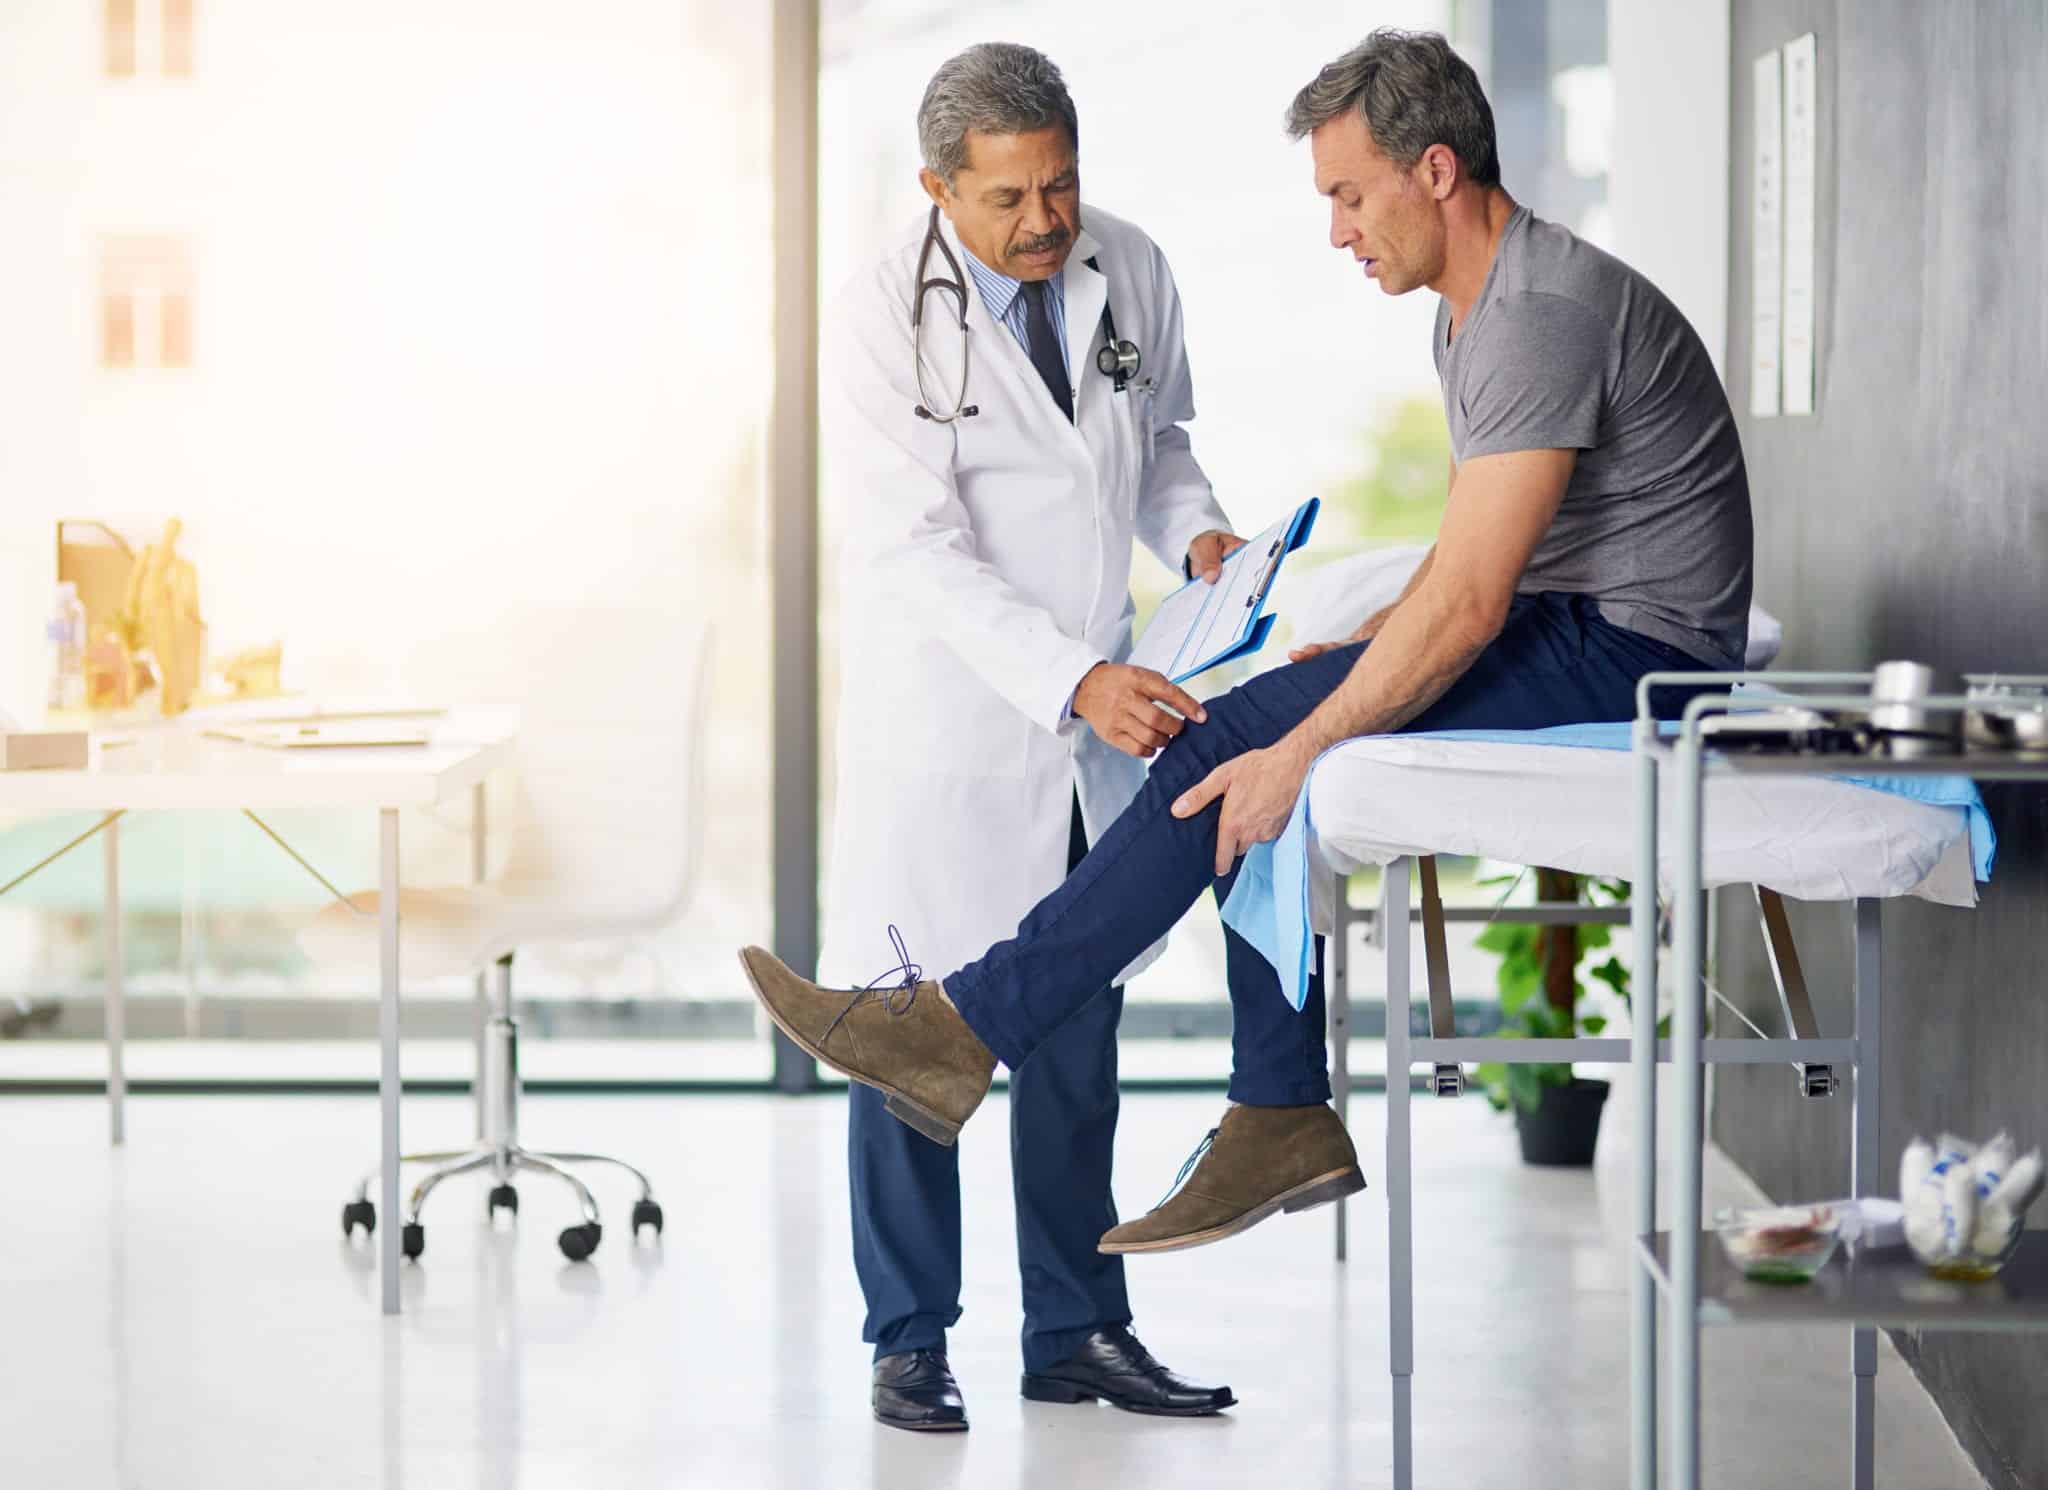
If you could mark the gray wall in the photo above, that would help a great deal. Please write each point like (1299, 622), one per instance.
(1909, 518)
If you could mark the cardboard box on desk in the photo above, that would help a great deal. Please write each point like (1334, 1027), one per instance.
(44, 750)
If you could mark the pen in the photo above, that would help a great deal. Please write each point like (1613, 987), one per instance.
(1259, 590)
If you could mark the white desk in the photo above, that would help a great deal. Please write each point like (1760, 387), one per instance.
(175, 767)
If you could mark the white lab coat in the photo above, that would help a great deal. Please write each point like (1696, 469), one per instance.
(985, 568)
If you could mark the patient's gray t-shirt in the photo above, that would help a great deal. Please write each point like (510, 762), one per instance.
(1567, 348)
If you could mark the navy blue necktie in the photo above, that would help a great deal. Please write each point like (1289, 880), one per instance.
(1045, 348)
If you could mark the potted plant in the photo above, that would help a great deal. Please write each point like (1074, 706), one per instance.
(1543, 976)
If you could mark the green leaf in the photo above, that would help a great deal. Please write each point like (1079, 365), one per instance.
(1525, 1087)
(1593, 1024)
(1517, 992)
(1502, 936)
(1492, 1078)
(1613, 974)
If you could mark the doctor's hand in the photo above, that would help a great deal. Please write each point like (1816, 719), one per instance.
(1121, 704)
(1207, 553)
(1258, 790)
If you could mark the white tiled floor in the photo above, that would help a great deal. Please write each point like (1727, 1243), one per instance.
(184, 1313)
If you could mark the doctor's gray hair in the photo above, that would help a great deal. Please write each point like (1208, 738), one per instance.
(998, 88)
(1413, 91)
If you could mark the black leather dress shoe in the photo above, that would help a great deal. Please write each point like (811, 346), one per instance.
(1113, 1366)
(915, 1389)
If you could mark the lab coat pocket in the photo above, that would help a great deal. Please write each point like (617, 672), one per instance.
(1134, 434)
(1147, 406)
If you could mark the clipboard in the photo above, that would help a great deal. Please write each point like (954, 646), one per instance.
(1200, 625)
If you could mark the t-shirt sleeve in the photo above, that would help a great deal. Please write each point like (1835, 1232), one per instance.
(1538, 375)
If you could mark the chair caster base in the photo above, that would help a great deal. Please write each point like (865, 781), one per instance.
(578, 1242)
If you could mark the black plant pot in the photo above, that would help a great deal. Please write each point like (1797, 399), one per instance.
(1565, 1127)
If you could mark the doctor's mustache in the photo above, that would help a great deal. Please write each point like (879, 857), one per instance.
(1037, 245)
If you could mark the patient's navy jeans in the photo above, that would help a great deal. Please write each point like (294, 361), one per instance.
(1556, 661)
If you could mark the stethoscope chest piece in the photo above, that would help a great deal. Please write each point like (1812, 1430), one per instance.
(1118, 360)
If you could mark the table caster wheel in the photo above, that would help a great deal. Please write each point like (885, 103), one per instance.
(646, 1213)
(578, 1242)
(502, 1196)
(412, 1239)
(358, 1213)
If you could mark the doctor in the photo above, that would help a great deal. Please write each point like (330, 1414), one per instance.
(1003, 434)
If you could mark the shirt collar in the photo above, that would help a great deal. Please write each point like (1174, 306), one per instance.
(999, 290)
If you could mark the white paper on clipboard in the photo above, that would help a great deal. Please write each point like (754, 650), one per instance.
(1202, 624)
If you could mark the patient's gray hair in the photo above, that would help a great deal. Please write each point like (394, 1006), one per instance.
(999, 88)
(1413, 91)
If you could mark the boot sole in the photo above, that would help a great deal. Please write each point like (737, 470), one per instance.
(899, 1105)
(1306, 1196)
(905, 1427)
(1052, 1389)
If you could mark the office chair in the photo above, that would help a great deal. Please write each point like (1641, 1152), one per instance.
(609, 759)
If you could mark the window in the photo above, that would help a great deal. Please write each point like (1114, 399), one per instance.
(145, 302)
(148, 38)
(483, 347)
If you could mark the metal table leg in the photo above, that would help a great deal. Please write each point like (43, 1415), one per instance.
(116, 992)
(1865, 1152)
(1688, 1081)
(387, 1076)
(1643, 1056)
(1446, 1078)
(1337, 996)
(1393, 926)
(478, 867)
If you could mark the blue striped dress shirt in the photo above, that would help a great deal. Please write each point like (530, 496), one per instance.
(1000, 294)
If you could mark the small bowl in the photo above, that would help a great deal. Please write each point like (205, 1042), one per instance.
(1971, 1265)
(1779, 1244)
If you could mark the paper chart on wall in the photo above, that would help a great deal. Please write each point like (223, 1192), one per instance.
(1801, 171)
(1766, 237)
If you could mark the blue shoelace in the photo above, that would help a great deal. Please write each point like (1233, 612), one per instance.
(897, 998)
(1208, 1139)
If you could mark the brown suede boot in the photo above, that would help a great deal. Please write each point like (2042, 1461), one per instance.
(907, 1043)
(1258, 1160)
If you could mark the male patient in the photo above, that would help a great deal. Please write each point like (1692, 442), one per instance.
(1598, 528)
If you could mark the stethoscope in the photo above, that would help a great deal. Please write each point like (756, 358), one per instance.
(1115, 359)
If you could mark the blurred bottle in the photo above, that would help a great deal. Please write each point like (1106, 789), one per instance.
(66, 635)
